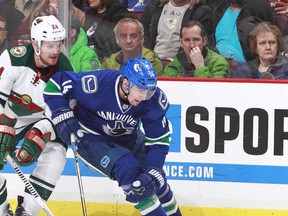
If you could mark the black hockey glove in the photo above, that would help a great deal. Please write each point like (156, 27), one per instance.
(33, 144)
(142, 188)
(7, 137)
(66, 124)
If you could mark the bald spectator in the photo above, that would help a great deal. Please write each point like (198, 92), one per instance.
(129, 35)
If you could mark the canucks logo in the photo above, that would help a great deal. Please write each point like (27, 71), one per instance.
(163, 101)
(22, 105)
(118, 129)
(105, 161)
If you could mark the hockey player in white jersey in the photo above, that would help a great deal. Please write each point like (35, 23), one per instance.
(24, 72)
(110, 105)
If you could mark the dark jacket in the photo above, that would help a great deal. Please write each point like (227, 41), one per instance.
(253, 12)
(250, 69)
(258, 8)
(13, 17)
(4, 46)
(151, 15)
(103, 38)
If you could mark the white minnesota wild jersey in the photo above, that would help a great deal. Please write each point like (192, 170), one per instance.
(22, 84)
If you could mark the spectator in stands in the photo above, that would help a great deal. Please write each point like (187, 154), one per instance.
(43, 8)
(280, 7)
(81, 4)
(100, 20)
(266, 41)
(196, 59)
(13, 18)
(3, 34)
(80, 14)
(26, 6)
(162, 21)
(281, 16)
(129, 35)
(234, 22)
(83, 57)
(258, 8)
(135, 5)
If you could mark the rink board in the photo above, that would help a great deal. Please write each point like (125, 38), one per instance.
(241, 174)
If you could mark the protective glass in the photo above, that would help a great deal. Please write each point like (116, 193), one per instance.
(51, 47)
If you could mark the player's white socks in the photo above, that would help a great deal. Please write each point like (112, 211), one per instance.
(3, 195)
(31, 206)
(3, 208)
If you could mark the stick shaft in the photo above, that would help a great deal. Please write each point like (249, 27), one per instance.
(73, 145)
(28, 185)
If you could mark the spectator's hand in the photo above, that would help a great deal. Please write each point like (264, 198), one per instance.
(281, 8)
(197, 57)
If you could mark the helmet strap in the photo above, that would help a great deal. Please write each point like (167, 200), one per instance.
(125, 94)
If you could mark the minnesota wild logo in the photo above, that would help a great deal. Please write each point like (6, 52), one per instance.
(22, 105)
(18, 51)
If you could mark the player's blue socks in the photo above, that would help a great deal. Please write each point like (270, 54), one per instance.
(151, 207)
(168, 201)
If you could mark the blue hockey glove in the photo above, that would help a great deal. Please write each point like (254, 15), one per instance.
(142, 188)
(158, 175)
(33, 144)
(7, 137)
(65, 124)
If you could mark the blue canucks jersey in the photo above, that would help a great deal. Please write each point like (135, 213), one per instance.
(101, 113)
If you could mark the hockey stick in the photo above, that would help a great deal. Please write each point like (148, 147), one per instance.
(73, 145)
(28, 185)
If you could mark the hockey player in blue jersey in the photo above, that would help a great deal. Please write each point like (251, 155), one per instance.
(105, 121)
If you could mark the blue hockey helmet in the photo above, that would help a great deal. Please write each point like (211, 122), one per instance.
(140, 72)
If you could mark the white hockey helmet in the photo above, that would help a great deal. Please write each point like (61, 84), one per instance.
(47, 28)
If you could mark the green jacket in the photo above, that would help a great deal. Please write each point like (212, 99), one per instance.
(115, 61)
(83, 57)
(216, 66)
